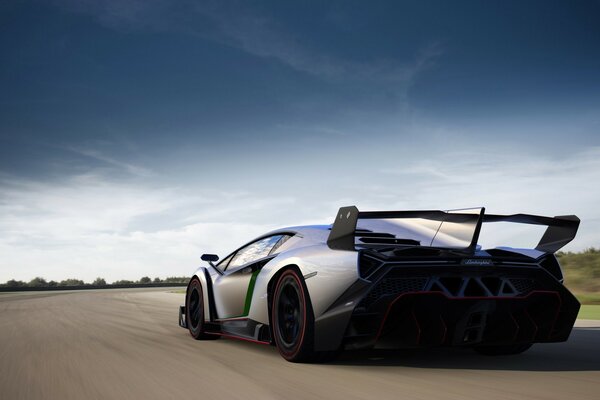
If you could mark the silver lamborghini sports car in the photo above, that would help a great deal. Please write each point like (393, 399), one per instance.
(386, 279)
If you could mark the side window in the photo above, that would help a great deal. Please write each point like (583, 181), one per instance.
(223, 263)
(254, 251)
(281, 241)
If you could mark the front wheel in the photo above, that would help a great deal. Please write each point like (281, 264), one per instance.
(194, 311)
(503, 350)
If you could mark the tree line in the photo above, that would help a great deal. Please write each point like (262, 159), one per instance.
(581, 269)
(41, 282)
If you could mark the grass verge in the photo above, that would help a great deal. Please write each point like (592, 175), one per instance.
(588, 298)
(589, 312)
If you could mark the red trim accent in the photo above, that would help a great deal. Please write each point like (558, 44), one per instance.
(230, 336)
(387, 312)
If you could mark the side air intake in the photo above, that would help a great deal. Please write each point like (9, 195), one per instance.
(367, 265)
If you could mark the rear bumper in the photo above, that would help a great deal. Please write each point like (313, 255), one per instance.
(409, 308)
(424, 319)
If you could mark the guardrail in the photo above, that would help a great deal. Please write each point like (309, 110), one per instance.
(88, 287)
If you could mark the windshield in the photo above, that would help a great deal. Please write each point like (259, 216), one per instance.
(451, 231)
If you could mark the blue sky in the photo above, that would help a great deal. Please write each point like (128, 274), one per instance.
(135, 135)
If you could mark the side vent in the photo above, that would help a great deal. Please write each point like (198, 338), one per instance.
(367, 265)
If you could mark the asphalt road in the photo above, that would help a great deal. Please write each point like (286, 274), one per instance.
(126, 344)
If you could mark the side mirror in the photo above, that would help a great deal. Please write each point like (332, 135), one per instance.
(210, 257)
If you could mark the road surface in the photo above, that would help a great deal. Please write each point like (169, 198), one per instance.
(126, 344)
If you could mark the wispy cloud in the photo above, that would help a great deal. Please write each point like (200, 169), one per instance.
(125, 15)
(262, 37)
(98, 155)
(509, 182)
(240, 26)
(266, 38)
(88, 225)
(469, 166)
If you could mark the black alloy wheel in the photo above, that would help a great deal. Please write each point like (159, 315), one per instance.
(293, 320)
(290, 313)
(194, 310)
(290, 319)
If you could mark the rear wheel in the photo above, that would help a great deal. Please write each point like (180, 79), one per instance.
(293, 320)
(194, 310)
(503, 350)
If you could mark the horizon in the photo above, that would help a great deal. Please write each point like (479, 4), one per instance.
(136, 136)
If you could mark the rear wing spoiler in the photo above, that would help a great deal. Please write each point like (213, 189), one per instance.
(561, 229)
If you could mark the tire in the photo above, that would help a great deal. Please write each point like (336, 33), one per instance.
(194, 311)
(505, 350)
(293, 320)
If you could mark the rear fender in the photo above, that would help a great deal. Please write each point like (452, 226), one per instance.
(327, 273)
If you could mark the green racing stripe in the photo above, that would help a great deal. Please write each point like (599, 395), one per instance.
(249, 293)
(248, 297)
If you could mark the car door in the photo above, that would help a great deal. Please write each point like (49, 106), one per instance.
(233, 290)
